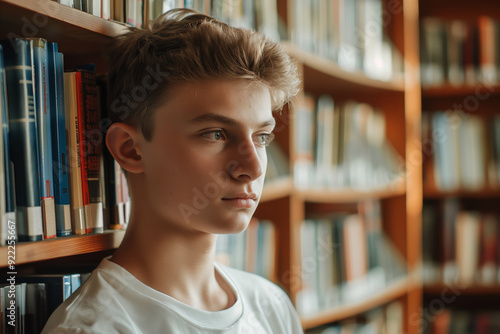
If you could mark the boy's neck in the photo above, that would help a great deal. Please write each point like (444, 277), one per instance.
(177, 264)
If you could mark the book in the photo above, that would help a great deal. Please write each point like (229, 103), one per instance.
(22, 132)
(36, 307)
(91, 139)
(44, 130)
(74, 160)
(59, 144)
(7, 198)
(467, 246)
(488, 243)
(304, 142)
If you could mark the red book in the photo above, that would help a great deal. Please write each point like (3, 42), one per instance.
(488, 244)
(80, 96)
(90, 149)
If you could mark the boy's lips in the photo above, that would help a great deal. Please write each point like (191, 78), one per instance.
(251, 196)
(243, 200)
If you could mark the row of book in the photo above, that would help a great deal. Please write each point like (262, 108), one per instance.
(253, 250)
(260, 15)
(343, 145)
(460, 245)
(459, 52)
(462, 150)
(463, 322)
(345, 258)
(387, 319)
(278, 164)
(348, 32)
(26, 302)
(52, 168)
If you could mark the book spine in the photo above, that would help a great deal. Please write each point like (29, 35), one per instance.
(96, 7)
(75, 174)
(92, 138)
(59, 145)
(3, 110)
(69, 3)
(22, 132)
(106, 9)
(83, 151)
(42, 116)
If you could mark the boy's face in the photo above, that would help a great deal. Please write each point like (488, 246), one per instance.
(205, 164)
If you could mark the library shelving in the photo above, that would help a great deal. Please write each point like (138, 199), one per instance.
(473, 94)
(400, 99)
(82, 37)
(395, 291)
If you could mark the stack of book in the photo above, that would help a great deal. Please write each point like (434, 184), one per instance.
(260, 15)
(387, 319)
(27, 301)
(462, 150)
(343, 146)
(460, 322)
(278, 165)
(459, 52)
(460, 246)
(345, 258)
(52, 174)
(350, 33)
(253, 250)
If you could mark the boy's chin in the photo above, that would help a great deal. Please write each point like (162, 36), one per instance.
(233, 227)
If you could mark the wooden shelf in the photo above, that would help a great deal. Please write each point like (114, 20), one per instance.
(480, 193)
(458, 9)
(350, 195)
(321, 74)
(77, 32)
(465, 90)
(277, 189)
(472, 289)
(27, 252)
(393, 292)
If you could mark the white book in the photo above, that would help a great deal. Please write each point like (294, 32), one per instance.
(106, 9)
(324, 140)
(307, 297)
(467, 246)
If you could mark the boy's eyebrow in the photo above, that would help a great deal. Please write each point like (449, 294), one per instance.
(211, 117)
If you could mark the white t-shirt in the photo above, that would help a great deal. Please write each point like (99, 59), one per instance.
(112, 301)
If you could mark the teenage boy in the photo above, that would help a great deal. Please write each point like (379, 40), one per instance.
(192, 103)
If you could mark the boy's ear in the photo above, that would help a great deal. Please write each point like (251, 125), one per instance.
(122, 141)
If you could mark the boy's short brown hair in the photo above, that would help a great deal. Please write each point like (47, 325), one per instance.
(184, 46)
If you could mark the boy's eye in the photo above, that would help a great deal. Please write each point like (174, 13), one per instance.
(214, 135)
(266, 138)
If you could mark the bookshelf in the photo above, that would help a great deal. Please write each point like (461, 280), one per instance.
(467, 99)
(51, 249)
(396, 291)
(82, 38)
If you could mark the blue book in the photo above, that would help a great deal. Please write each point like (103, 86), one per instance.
(7, 190)
(22, 138)
(42, 116)
(59, 146)
(75, 282)
(3, 110)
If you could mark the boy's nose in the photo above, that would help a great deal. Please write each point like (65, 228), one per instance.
(248, 164)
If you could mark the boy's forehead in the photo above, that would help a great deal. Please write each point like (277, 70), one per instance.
(209, 97)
